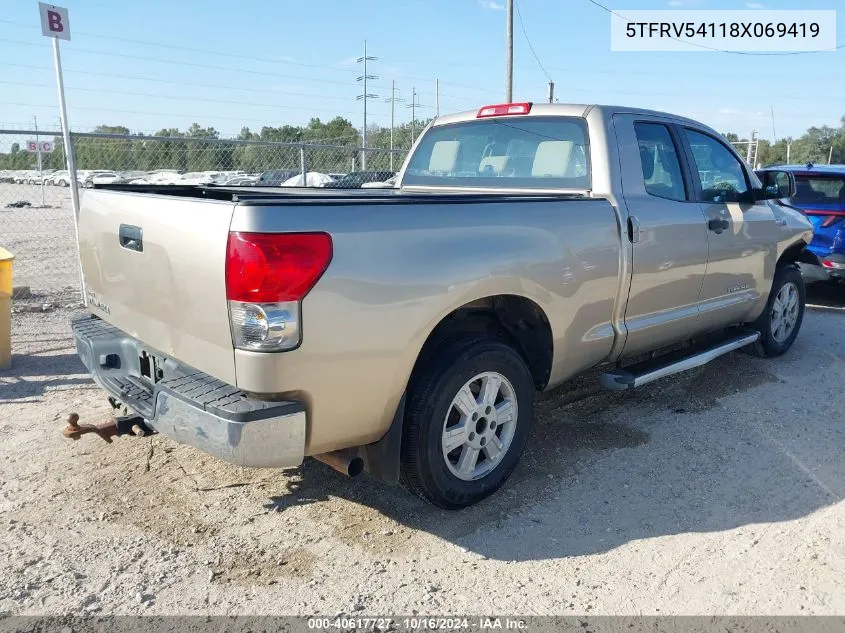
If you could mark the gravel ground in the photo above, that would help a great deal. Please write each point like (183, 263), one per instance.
(718, 491)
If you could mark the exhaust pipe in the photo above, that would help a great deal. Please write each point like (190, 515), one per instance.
(344, 461)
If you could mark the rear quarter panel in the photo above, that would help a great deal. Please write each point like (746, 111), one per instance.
(398, 269)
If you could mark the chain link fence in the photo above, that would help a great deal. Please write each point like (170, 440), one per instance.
(36, 214)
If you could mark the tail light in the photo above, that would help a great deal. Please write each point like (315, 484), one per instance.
(503, 109)
(267, 276)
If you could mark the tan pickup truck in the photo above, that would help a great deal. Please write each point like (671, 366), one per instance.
(404, 332)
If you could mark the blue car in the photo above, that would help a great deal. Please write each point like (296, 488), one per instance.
(820, 194)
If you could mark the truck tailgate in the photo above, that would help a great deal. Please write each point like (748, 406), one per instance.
(154, 266)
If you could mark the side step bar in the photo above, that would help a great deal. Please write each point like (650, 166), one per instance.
(643, 373)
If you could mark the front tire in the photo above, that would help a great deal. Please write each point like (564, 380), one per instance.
(781, 320)
(467, 422)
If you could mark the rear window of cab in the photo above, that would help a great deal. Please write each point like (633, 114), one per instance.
(504, 152)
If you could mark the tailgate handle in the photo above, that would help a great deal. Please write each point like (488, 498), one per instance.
(131, 237)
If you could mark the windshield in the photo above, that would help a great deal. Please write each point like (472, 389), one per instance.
(820, 189)
(530, 152)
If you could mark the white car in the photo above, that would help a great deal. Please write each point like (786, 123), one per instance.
(390, 183)
(312, 179)
(99, 177)
(59, 179)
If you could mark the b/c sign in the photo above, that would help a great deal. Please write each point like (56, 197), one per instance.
(54, 21)
(42, 146)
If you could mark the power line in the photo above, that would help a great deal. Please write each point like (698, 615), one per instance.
(272, 60)
(712, 48)
(237, 70)
(454, 98)
(528, 40)
(191, 97)
(120, 111)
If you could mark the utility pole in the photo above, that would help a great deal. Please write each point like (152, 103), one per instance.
(551, 91)
(414, 105)
(365, 97)
(393, 100)
(788, 148)
(437, 95)
(829, 158)
(750, 147)
(509, 54)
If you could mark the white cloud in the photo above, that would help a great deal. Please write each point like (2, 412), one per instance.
(349, 61)
(492, 5)
(755, 5)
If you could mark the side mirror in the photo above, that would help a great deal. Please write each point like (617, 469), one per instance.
(776, 184)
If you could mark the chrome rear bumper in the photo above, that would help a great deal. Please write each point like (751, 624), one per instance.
(191, 407)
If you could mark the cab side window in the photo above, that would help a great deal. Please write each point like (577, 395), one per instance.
(661, 167)
(721, 173)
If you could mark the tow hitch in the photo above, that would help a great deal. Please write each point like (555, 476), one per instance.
(119, 425)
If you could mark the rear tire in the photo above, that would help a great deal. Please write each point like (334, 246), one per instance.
(781, 320)
(457, 450)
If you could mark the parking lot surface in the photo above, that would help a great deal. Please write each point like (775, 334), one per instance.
(717, 491)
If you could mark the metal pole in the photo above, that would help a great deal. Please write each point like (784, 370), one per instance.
(71, 163)
(788, 147)
(437, 94)
(40, 164)
(551, 92)
(509, 54)
(303, 166)
(413, 115)
(392, 108)
(750, 144)
(364, 153)
(830, 155)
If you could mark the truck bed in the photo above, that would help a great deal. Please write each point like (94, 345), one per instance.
(294, 195)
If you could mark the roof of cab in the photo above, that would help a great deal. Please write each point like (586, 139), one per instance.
(809, 168)
(567, 109)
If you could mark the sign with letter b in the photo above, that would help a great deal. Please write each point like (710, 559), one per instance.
(54, 21)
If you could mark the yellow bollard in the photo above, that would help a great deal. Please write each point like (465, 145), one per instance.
(6, 261)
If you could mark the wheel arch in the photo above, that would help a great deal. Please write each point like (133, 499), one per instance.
(798, 253)
(514, 318)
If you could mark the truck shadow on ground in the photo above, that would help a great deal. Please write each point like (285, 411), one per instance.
(605, 468)
(32, 375)
(826, 297)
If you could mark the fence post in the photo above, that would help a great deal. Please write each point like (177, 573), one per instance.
(303, 166)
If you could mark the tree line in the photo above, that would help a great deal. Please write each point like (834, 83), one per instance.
(190, 149)
(203, 149)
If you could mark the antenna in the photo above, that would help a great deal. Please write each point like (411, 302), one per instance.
(365, 96)
(774, 134)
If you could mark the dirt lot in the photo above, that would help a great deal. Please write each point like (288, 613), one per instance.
(720, 491)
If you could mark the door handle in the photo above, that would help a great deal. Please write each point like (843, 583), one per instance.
(131, 237)
(717, 225)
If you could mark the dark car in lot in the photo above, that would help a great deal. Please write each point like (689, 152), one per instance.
(354, 179)
(275, 177)
(820, 194)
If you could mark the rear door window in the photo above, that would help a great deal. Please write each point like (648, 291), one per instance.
(507, 152)
(662, 174)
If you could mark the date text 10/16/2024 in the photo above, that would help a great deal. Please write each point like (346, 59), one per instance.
(417, 623)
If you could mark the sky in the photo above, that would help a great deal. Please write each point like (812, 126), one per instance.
(155, 64)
